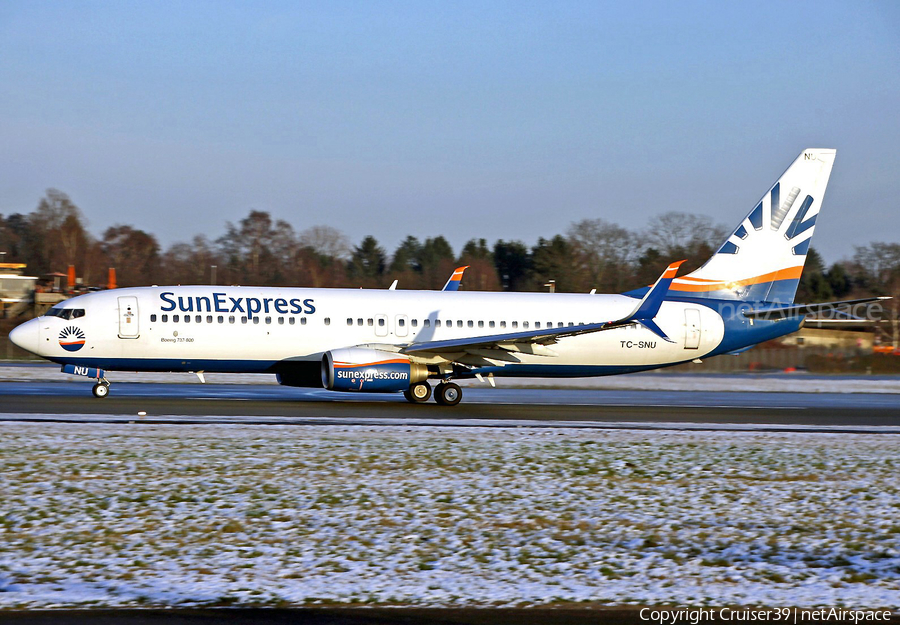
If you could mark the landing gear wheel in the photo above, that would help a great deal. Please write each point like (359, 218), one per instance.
(418, 393)
(101, 389)
(447, 394)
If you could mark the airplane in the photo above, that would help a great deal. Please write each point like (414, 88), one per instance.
(394, 341)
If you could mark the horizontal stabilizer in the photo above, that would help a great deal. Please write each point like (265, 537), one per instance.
(780, 312)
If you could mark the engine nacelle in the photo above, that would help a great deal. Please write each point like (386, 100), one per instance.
(373, 370)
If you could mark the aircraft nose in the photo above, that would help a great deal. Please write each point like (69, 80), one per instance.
(27, 336)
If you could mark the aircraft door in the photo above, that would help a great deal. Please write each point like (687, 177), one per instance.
(128, 318)
(401, 325)
(691, 328)
(381, 325)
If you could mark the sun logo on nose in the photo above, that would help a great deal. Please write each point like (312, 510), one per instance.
(71, 339)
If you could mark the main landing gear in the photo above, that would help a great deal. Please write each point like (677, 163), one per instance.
(418, 393)
(445, 394)
(101, 389)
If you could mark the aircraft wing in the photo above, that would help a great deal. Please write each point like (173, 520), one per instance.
(502, 347)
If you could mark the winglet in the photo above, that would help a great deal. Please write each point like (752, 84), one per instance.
(453, 282)
(651, 302)
(648, 307)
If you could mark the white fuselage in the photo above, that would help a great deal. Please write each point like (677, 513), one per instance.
(252, 329)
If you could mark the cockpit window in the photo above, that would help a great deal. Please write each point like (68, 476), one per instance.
(66, 313)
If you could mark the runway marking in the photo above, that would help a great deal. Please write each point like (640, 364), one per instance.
(641, 405)
(407, 422)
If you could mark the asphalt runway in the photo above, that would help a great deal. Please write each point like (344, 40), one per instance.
(269, 404)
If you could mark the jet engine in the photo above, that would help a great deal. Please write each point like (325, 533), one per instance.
(364, 369)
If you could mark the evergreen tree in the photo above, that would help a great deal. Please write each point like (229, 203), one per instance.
(367, 262)
(513, 261)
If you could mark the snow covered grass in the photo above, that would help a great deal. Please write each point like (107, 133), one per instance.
(164, 515)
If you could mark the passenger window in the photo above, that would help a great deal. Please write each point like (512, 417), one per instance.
(359, 322)
(152, 317)
(187, 318)
(415, 323)
(571, 324)
(256, 321)
(502, 324)
(471, 324)
(370, 322)
(537, 324)
(281, 321)
(268, 321)
(198, 319)
(381, 323)
(437, 323)
(303, 321)
(291, 320)
(328, 321)
(349, 321)
(490, 324)
(175, 318)
(221, 319)
(209, 319)
(524, 324)
(426, 323)
(515, 324)
(243, 320)
(231, 319)
(401, 322)
(559, 325)
(459, 323)
(165, 318)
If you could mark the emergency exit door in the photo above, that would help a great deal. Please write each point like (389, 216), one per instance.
(381, 325)
(128, 318)
(691, 328)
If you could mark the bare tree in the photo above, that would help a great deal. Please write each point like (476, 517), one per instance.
(134, 254)
(604, 252)
(878, 265)
(326, 241)
(258, 251)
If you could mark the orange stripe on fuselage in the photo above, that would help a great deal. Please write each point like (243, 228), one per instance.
(692, 278)
(402, 361)
(790, 273)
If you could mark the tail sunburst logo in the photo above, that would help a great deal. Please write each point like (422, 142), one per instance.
(71, 339)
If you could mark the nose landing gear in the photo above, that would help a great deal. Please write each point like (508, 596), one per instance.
(101, 389)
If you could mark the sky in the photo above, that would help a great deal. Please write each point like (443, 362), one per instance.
(490, 120)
